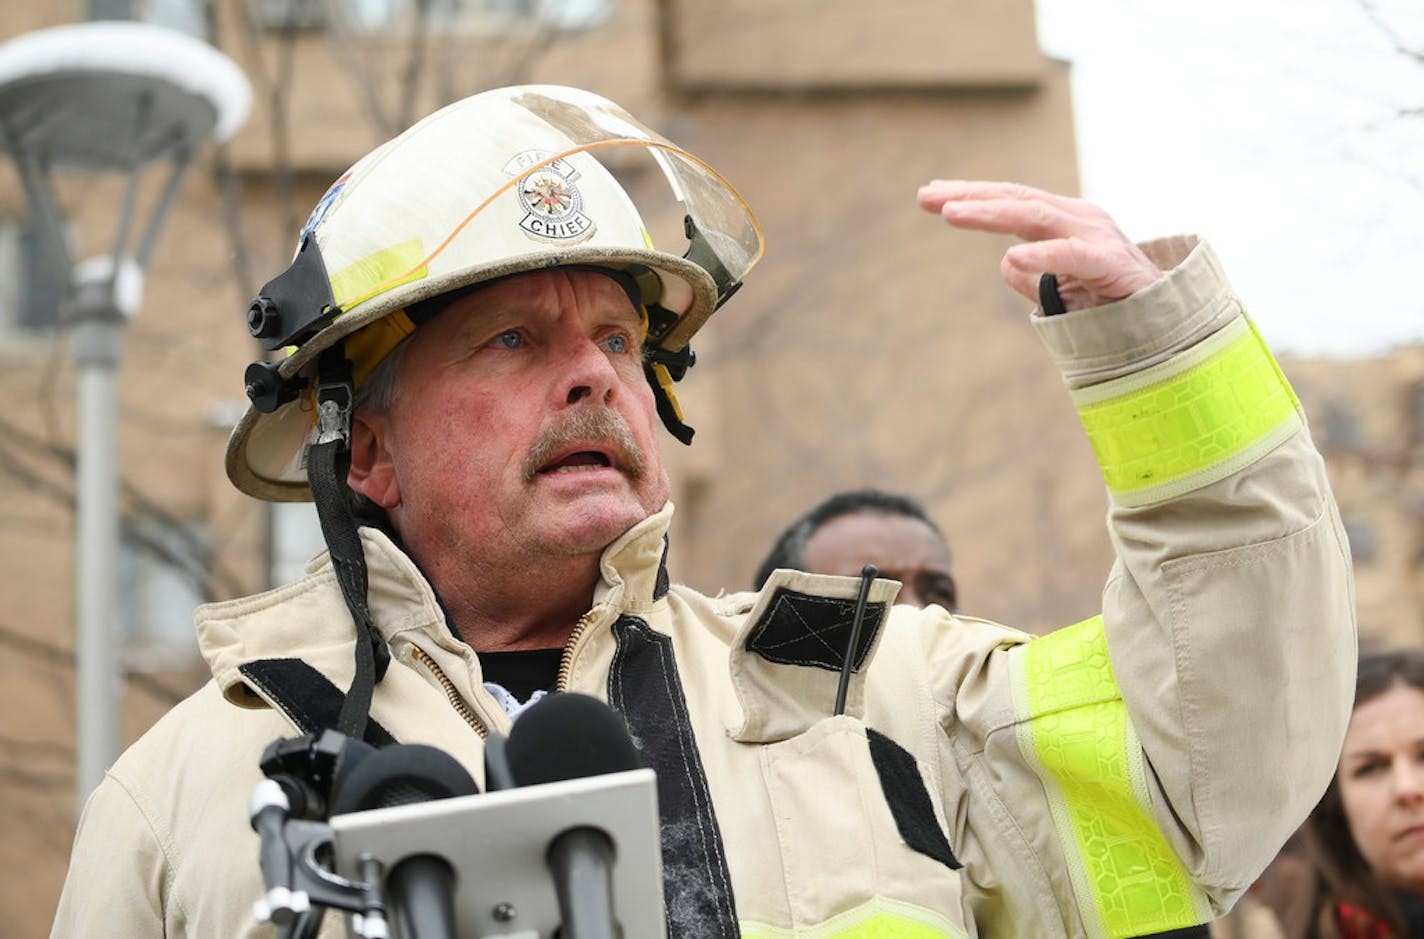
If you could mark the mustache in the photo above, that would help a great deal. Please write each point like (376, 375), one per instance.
(596, 425)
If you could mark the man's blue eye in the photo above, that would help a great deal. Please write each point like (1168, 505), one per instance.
(509, 339)
(617, 343)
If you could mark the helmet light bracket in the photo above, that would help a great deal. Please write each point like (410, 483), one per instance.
(295, 304)
(267, 389)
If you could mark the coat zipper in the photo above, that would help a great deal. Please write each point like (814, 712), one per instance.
(566, 661)
(451, 692)
(463, 708)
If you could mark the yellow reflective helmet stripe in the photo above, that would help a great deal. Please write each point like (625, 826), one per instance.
(371, 343)
(1074, 731)
(880, 918)
(1191, 420)
(389, 267)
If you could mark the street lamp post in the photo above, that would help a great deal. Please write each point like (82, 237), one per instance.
(107, 98)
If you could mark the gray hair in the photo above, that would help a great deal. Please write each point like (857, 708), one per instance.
(377, 393)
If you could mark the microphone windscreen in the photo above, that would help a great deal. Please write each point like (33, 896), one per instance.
(569, 736)
(399, 775)
(352, 755)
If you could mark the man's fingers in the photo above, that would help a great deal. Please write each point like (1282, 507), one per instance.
(1105, 272)
(1031, 221)
(1073, 239)
(1012, 209)
(936, 192)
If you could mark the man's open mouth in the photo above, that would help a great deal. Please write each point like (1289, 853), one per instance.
(577, 462)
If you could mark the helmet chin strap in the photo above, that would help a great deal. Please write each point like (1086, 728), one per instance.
(662, 368)
(328, 462)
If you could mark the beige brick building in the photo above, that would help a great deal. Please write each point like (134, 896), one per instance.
(872, 346)
(1368, 419)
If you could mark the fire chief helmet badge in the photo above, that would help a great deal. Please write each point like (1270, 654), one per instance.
(507, 181)
(551, 200)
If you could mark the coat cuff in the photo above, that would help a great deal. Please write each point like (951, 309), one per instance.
(1191, 302)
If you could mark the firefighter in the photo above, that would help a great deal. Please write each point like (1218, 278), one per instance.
(483, 332)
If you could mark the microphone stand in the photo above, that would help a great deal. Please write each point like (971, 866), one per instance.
(286, 810)
(299, 886)
(423, 897)
(581, 860)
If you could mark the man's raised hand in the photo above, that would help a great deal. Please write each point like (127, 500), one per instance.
(1094, 261)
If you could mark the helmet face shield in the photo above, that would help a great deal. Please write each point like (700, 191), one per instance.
(505, 182)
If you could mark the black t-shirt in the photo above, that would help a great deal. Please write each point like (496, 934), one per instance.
(524, 672)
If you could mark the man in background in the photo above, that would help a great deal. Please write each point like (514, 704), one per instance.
(850, 529)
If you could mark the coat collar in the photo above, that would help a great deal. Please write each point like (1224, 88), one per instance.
(308, 619)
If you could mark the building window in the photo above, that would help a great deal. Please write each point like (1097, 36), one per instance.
(162, 574)
(296, 539)
(111, 9)
(385, 18)
(1361, 534)
(284, 15)
(1415, 396)
(185, 16)
(32, 282)
(1341, 430)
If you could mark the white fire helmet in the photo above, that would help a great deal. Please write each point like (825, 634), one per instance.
(503, 182)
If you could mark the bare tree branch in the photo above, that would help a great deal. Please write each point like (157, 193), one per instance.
(54, 654)
(42, 747)
(1395, 37)
(14, 776)
(193, 558)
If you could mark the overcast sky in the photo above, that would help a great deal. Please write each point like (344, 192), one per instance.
(1272, 127)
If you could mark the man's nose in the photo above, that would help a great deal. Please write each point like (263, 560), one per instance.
(589, 373)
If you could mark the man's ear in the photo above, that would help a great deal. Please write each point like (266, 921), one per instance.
(372, 472)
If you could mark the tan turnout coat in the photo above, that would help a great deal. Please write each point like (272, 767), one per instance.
(1123, 776)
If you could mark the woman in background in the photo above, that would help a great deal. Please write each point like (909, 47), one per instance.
(1366, 837)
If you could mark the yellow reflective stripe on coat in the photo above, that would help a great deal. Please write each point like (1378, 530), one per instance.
(880, 918)
(1073, 730)
(1191, 420)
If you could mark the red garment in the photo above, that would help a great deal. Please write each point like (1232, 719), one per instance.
(1356, 923)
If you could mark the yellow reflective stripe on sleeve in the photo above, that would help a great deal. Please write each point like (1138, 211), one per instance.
(880, 918)
(1192, 420)
(1073, 730)
(353, 283)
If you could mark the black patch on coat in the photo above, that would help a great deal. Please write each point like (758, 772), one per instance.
(806, 629)
(644, 687)
(660, 587)
(908, 799)
(306, 696)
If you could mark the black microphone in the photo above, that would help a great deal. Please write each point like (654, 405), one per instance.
(498, 775)
(570, 736)
(422, 886)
